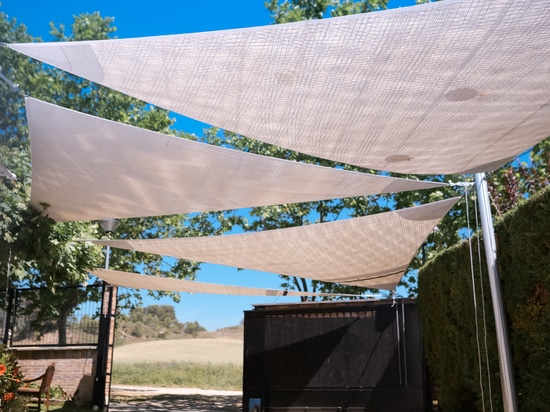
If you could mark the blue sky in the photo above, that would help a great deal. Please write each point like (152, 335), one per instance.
(138, 18)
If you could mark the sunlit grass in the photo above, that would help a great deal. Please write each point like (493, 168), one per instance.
(179, 374)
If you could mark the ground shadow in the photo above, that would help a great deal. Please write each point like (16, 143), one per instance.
(195, 403)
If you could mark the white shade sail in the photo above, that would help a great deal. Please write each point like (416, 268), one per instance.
(371, 251)
(137, 281)
(448, 87)
(87, 168)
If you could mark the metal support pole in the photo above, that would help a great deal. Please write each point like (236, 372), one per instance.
(9, 318)
(398, 332)
(104, 364)
(504, 356)
(106, 339)
(98, 399)
(107, 254)
(108, 368)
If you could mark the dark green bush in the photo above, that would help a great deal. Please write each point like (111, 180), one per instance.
(446, 304)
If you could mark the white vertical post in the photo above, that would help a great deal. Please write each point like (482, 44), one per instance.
(107, 255)
(504, 356)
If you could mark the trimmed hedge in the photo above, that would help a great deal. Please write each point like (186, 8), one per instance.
(446, 305)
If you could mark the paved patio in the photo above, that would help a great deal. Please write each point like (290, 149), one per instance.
(133, 399)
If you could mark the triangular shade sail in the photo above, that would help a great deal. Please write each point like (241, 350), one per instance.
(372, 251)
(447, 87)
(137, 281)
(87, 168)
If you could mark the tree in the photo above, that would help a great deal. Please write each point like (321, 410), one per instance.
(46, 318)
(156, 321)
(23, 229)
(38, 251)
(35, 250)
(193, 328)
(296, 10)
(521, 178)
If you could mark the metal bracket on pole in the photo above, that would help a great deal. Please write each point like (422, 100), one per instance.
(504, 356)
(461, 184)
(14, 87)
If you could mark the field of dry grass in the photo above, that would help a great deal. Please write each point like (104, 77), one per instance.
(200, 350)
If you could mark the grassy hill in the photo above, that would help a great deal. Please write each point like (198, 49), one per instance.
(215, 351)
(206, 363)
(154, 349)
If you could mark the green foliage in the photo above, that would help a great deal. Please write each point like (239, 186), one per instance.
(296, 10)
(193, 328)
(39, 251)
(184, 374)
(23, 232)
(154, 322)
(447, 310)
(85, 27)
(88, 325)
(445, 301)
(525, 265)
(511, 184)
(57, 392)
(43, 319)
(10, 378)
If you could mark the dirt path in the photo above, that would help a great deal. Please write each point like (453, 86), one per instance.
(140, 398)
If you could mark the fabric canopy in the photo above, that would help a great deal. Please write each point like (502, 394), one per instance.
(447, 87)
(87, 168)
(371, 251)
(137, 281)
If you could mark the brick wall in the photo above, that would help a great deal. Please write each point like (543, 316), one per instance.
(73, 365)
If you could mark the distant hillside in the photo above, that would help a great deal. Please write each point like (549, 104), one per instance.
(159, 322)
(232, 332)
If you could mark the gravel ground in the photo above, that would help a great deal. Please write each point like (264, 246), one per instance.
(139, 398)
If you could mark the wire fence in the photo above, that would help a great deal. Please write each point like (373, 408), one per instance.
(43, 317)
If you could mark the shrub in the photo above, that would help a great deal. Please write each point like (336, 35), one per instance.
(445, 301)
(10, 380)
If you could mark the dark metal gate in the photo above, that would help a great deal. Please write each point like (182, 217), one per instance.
(334, 356)
(70, 316)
